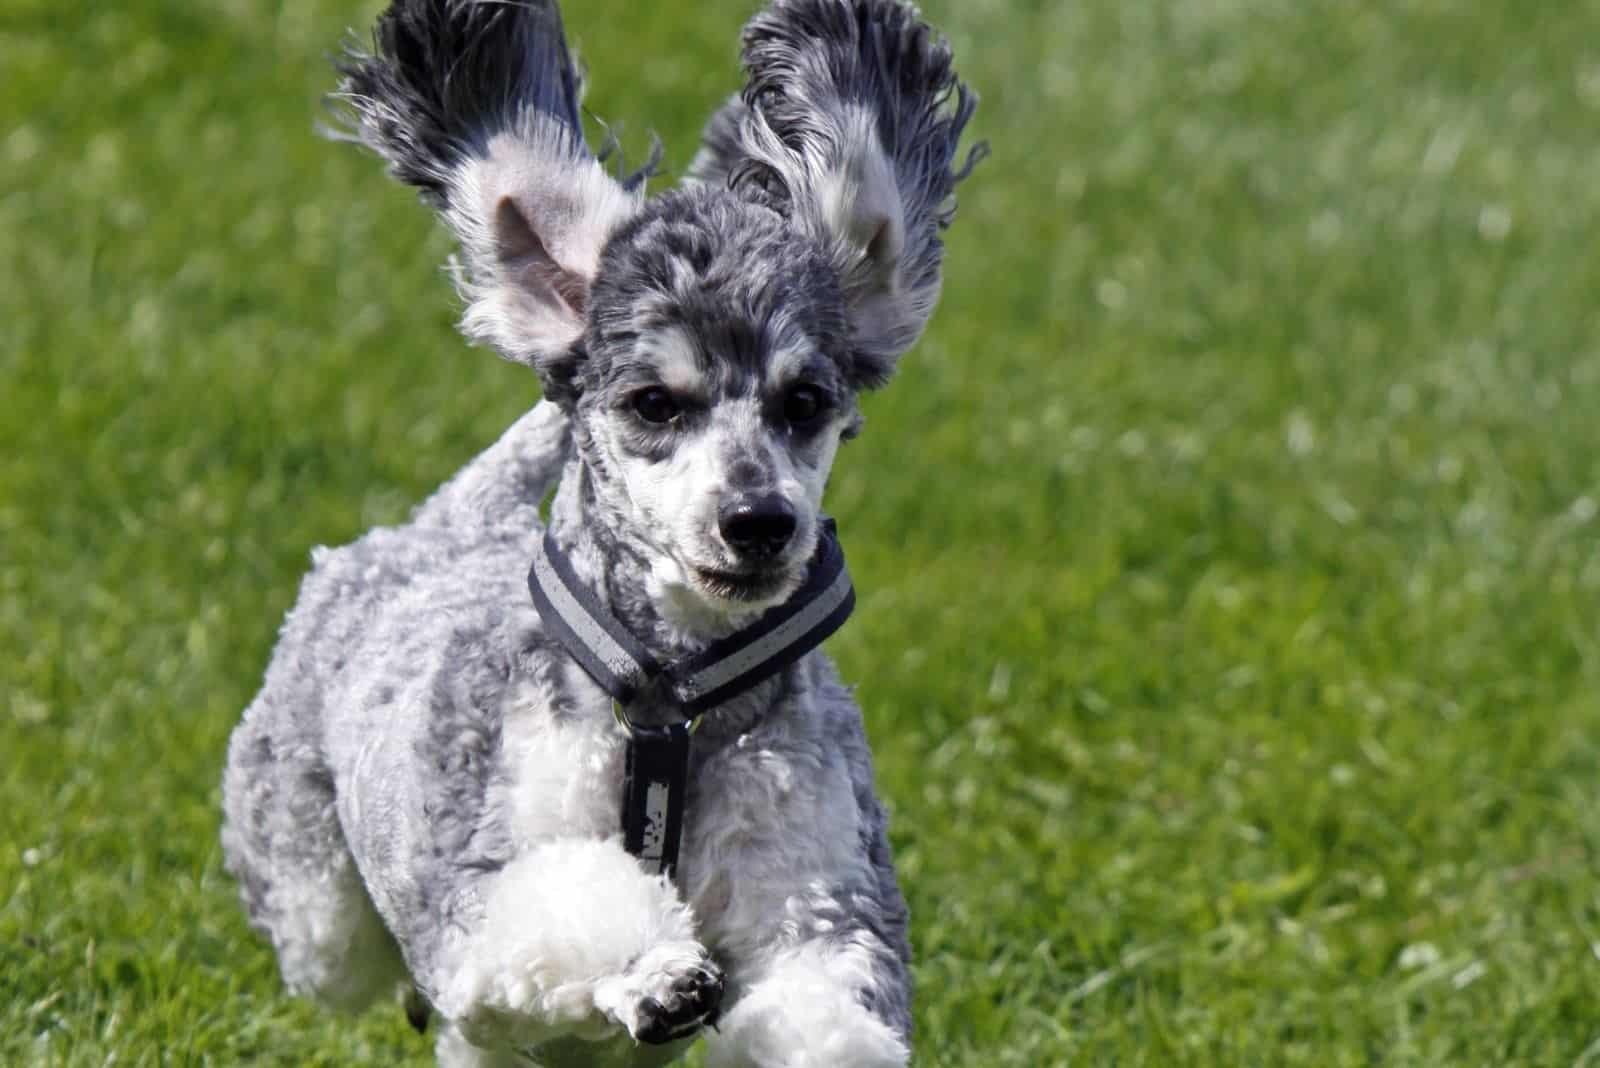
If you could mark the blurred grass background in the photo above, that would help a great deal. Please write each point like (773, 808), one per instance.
(1228, 632)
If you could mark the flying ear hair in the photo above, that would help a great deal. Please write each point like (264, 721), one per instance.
(849, 122)
(476, 105)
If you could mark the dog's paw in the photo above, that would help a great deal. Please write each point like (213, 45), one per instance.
(693, 1001)
(792, 1023)
(665, 995)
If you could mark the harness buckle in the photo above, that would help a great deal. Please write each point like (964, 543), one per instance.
(621, 716)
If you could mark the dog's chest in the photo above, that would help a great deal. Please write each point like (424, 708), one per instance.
(771, 803)
(562, 759)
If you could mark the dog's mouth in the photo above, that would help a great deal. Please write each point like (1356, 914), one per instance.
(741, 585)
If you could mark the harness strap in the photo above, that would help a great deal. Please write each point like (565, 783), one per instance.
(658, 757)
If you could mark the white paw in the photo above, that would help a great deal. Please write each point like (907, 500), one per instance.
(804, 1026)
(668, 993)
(558, 924)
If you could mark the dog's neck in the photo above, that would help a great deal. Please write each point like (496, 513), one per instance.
(616, 568)
(617, 571)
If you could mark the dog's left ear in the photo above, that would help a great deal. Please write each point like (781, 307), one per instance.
(475, 102)
(849, 122)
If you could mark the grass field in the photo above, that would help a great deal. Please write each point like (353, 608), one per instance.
(1229, 630)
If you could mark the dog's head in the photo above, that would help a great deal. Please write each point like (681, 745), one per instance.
(711, 388)
(709, 343)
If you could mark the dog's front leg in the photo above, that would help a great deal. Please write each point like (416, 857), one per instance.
(835, 999)
(574, 941)
(813, 933)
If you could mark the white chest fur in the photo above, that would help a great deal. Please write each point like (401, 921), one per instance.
(562, 773)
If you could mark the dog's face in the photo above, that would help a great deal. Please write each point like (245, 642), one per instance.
(713, 388)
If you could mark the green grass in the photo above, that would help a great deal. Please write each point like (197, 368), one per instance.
(1230, 619)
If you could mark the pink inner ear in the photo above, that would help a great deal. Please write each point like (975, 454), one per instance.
(571, 289)
(525, 256)
(880, 241)
(884, 246)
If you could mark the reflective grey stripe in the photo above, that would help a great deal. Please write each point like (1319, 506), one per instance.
(770, 644)
(585, 626)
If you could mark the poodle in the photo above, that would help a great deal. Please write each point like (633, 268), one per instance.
(559, 757)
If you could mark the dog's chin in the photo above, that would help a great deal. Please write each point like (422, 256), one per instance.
(744, 589)
(712, 600)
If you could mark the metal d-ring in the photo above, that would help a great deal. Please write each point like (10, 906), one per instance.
(627, 724)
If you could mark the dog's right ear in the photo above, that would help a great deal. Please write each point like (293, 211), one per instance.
(532, 223)
(475, 102)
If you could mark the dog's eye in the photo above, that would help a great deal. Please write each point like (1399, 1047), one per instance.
(655, 405)
(802, 404)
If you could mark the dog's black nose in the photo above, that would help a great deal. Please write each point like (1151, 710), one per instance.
(757, 527)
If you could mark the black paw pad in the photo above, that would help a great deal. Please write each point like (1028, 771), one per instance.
(694, 1001)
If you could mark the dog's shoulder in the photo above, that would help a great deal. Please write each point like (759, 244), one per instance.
(467, 547)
